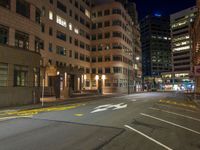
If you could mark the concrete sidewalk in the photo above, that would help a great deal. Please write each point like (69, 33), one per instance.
(51, 103)
(194, 97)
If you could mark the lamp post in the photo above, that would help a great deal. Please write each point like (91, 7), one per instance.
(43, 84)
(128, 80)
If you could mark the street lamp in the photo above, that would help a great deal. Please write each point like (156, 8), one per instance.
(137, 58)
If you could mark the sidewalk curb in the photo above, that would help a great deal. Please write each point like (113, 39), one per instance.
(196, 102)
(57, 103)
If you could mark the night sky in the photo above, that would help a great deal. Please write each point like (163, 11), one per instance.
(165, 7)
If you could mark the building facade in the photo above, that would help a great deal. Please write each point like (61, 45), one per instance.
(156, 51)
(66, 31)
(182, 66)
(66, 47)
(112, 49)
(19, 52)
(195, 32)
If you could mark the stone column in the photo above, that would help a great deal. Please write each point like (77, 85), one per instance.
(32, 42)
(11, 75)
(13, 6)
(11, 40)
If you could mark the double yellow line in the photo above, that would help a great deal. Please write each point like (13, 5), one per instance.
(31, 112)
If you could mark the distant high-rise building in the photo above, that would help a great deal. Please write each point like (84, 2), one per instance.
(132, 10)
(181, 45)
(156, 52)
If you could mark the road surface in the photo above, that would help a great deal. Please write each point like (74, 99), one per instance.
(145, 121)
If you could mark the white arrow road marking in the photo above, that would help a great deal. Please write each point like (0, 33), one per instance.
(120, 106)
(109, 106)
(104, 106)
(99, 110)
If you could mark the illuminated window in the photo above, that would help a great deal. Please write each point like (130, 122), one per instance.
(50, 15)
(76, 31)
(87, 13)
(61, 21)
(70, 27)
(181, 48)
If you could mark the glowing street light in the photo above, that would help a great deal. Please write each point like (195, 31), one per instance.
(97, 77)
(137, 58)
(103, 77)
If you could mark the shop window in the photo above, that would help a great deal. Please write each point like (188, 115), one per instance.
(20, 75)
(107, 83)
(3, 74)
(87, 83)
(94, 83)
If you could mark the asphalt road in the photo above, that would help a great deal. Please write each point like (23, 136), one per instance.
(146, 121)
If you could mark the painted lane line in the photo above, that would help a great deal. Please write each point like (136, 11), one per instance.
(178, 108)
(133, 100)
(78, 115)
(148, 137)
(177, 114)
(13, 117)
(171, 123)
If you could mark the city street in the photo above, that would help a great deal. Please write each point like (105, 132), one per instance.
(146, 121)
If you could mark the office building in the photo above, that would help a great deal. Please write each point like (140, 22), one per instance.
(54, 48)
(156, 51)
(19, 52)
(182, 67)
(112, 51)
(196, 49)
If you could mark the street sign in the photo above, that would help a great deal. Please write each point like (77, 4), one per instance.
(109, 106)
